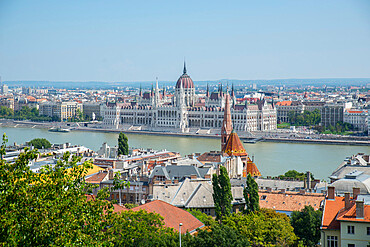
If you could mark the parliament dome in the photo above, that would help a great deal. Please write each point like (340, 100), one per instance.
(185, 81)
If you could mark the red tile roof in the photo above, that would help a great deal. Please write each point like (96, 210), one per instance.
(350, 214)
(331, 210)
(284, 103)
(289, 201)
(234, 146)
(96, 178)
(172, 215)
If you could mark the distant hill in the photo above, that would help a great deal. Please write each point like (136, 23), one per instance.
(147, 84)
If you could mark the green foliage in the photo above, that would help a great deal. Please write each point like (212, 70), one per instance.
(306, 224)
(222, 196)
(39, 143)
(295, 175)
(205, 219)
(130, 205)
(25, 113)
(340, 128)
(251, 196)
(283, 126)
(122, 144)
(140, 228)
(216, 236)
(263, 228)
(307, 118)
(50, 208)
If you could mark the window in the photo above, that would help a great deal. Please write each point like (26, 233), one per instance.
(332, 241)
(351, 229)
(368, 230)
(351, 245)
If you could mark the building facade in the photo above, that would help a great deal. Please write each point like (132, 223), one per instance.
(358, 118)
(62, 110)
(155, 110)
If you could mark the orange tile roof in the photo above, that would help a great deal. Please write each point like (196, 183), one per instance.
(96, 178)
(172, 215)
(331, 210)
(284, 103)
(252, 169)
(289, 201)
(350, 214)
(234, 146)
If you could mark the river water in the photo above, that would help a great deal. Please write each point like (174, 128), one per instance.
(272, 159)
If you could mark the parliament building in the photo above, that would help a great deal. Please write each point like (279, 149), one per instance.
(185, 111)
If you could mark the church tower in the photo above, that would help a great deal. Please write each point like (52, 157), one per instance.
(227, 125)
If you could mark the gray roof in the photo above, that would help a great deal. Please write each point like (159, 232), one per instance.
(182, 171)
(353, 180)
(275, 184)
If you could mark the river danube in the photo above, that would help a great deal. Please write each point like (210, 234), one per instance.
(272, 159)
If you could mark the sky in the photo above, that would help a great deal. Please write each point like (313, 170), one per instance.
(121, 40)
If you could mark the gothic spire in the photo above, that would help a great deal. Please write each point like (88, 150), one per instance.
(184, 67)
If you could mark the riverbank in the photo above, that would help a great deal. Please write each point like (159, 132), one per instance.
(258, 136)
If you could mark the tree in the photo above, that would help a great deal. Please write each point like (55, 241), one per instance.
(306, 224)
(222, 196)
(141, 228)
(40, 143)
(216, 236)
(207, 220)
(251, 196)
(122, 144)
(263, 228)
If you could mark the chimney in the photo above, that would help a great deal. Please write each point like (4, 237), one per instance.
(207, 176)
(110, 174)
(268, 189)
(282, 191)
(359, 209)
(331, 192)
(193, 176)
(356, 192)
(347, 203)
(308, 174)
(176, 181)
(302, 192)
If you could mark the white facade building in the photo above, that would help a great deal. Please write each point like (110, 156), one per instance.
(155, 111)
(358, 118)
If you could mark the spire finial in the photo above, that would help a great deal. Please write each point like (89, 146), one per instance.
(184, 67)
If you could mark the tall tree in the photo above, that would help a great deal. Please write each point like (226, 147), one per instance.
(251, 196)
(122, 144)
(222, 195)
(306, 224)
(263, 228)
(40, 143)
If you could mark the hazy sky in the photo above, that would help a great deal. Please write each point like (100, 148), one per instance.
(138, 40)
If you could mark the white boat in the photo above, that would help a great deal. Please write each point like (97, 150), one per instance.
(59, 130)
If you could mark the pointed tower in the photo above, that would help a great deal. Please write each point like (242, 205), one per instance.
(164, 92)
(207, 93)
(233, 95)
(156, 93)
(140, 92)
(227, 125)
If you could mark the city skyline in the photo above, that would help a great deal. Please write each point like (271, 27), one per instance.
(122, 41)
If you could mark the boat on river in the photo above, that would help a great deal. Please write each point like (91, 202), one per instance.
(59, 130)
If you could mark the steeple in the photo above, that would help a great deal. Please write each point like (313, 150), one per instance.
(207, 93)
(227, 125)
(184, 68)
(140, 92)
